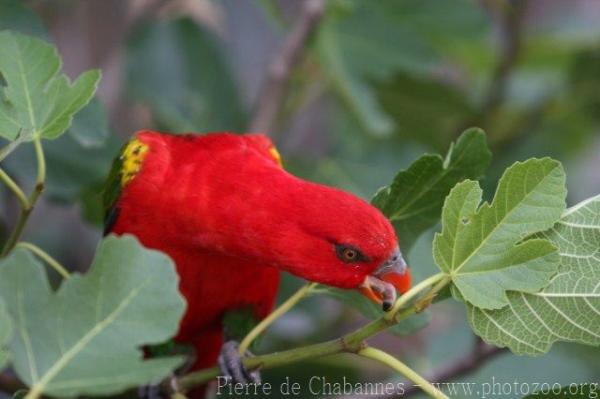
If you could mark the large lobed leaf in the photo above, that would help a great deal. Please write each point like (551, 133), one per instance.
(425, 109)
(413, 44)
(481, 249)
(77, 161)
(414, 200)
(568, 309)
(38, 100)
(84, 339)
(5, 334)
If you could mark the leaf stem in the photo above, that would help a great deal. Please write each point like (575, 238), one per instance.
(349, 343)
(39, 155)
(414, 291)
(353, 342)
(14, 187)
(33, 197)
(391, 361)
(267, 321)
(53, 263)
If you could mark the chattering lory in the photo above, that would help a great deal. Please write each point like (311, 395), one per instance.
(232, 219)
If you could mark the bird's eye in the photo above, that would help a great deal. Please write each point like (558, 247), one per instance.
(348, 254)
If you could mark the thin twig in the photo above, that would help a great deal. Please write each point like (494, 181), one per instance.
(403, 369)
(14, 187)
(428, 282)
(32, 200)
(274, 315)
(43, 255)
(271, 94)
(511, 27)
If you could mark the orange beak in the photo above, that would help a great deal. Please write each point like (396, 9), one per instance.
(383, 284)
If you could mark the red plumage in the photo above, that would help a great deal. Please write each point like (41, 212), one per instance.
(231, 218)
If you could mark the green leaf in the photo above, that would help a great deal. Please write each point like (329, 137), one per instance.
(356, 95)
(77, 162)
(568, 309)
(38, 100)
(347, 44)
(363, 44)
(5, 334)
(84, 339)
(177, 68)
(413, 202)
(425, 109)
(482, 249)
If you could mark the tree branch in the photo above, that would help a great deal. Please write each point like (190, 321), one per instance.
(280, 311)
(270, 97)
(479, 355)
(350, 343)
(511, 27)
(32, 200)
(43, 255)
(14, 187)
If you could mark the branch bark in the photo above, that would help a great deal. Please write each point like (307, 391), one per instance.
(271, 94)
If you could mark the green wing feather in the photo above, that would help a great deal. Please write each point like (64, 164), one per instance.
(112, 190)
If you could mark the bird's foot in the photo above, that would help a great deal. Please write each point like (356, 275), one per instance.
(230, 363)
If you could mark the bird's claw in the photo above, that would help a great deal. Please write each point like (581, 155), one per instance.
(232, 368)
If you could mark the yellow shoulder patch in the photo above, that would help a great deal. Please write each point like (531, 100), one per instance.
(276, 156)
(131, 160)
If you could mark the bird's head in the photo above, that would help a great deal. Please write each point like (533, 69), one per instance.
(345, 242)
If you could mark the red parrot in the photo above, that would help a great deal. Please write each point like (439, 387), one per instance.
(231, 218)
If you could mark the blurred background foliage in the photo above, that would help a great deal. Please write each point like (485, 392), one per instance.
(380, 83)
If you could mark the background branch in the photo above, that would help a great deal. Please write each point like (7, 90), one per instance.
(511, 26)
(271, 95)
(469, 363)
